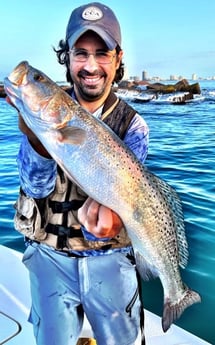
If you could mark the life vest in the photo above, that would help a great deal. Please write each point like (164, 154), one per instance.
(40, 219)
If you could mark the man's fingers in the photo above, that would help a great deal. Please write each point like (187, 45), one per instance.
(88, 213)
(105, 220)
(99, 220)
(92, 214)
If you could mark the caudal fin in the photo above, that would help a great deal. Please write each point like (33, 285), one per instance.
(172, 312)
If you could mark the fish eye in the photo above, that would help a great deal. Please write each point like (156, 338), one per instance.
(38, 77)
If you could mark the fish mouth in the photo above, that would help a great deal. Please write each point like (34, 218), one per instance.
(15, 79)
(18, 78)
(17, 75)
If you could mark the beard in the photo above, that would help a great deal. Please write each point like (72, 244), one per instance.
(91, 92)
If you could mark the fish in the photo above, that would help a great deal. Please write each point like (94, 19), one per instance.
(97, 160)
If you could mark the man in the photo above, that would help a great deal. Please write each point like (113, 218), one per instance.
(78, 253)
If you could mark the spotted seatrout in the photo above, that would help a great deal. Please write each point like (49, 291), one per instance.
(94, 158)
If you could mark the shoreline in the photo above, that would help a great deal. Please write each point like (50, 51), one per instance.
(155, 88)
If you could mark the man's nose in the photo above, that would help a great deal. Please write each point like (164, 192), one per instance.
(91, 63)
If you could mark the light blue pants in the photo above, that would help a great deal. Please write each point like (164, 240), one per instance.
(63, 288)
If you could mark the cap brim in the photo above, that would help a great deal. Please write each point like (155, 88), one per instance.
(109, 41)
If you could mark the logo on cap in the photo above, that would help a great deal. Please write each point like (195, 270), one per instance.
(92, 13)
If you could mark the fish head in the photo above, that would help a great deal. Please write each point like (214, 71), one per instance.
(36, 95)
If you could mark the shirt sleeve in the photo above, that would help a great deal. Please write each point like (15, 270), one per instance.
(137, 137)
(37, 174)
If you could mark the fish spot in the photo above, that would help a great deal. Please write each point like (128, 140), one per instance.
(137, 214)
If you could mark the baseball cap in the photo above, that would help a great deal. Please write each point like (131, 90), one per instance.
(98, 18)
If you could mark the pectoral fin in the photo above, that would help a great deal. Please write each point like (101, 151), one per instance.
(72, 135)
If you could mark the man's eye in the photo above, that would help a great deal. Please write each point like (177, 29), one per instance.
(80, 53)
(101, 53)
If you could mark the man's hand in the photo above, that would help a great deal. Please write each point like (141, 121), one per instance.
(35, 142)
(99, 220)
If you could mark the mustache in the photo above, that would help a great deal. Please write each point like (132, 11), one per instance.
(83, 73)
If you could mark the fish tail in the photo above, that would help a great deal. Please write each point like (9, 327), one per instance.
(173, 311)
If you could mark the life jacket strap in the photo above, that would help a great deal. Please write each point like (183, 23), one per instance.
(62, 233)
(65, 206)
(60, 230)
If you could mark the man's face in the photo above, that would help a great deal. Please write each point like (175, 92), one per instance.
(92, 78)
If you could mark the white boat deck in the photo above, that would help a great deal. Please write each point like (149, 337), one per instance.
(15, 302)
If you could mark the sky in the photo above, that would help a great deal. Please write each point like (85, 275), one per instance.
(162, 37)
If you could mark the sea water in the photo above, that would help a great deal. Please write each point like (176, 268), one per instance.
(182, 152)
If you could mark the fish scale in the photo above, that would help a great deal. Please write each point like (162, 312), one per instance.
(96, 160)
